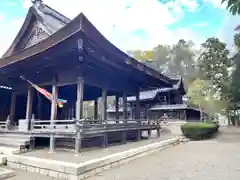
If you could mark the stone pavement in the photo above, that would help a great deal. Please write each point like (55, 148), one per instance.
(217, 159)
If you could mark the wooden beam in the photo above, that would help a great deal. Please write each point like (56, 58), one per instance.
(39, 107)
(79, 103)
(96, 109)
(104, 105)
(53, 115)
(125, 112)
(54, 103)
(137, 109)
(29, 103)
(12, 107)
(117, 106)
(79, 112)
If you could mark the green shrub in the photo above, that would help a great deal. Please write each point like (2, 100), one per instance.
(199, 131)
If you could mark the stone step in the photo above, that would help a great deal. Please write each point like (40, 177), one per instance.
(17, 143)
(15, 135)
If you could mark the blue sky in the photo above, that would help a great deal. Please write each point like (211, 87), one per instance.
(133, 24)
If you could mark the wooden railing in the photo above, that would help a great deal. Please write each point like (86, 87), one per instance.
(54, 125)
(86, 126)
(80, 129)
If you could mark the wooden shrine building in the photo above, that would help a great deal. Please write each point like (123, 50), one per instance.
(154, 103)
(74, 61)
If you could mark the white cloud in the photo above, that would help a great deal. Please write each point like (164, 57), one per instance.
(27, 3)
(9, 30)
(127, 16)
(118, 20)
(216, 3)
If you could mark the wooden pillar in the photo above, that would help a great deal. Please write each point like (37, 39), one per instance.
(125, 117)
(117, 108)
(29, 103)
(137, 109)
(104, 103)
(96, 109)
(104, 116)
(39, 108)
(137, 114)
(12, 107)
(79, 102)
(79, 113)
(125, 110)
(148, 120)
(29, 106)
(53, 116)
(185, 114)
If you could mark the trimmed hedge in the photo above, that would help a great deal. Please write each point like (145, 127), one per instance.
(199, 131)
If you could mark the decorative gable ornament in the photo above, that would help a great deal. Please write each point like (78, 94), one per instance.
(38, 36)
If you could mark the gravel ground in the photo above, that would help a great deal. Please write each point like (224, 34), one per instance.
(217, 159)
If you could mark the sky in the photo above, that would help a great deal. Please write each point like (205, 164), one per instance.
(133, 24)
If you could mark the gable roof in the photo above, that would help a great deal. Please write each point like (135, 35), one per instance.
(41, 22)
(79, 26)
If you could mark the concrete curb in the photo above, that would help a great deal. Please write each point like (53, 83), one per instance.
(90, 168)
(73, 171)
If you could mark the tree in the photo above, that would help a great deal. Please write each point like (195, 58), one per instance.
(142, 56)
(176, 60)
(200, 94)
(214, 65)
(182, 61)
(233, 6)
(237, 40)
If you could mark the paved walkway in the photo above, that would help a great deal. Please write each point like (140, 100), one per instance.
(217, 159)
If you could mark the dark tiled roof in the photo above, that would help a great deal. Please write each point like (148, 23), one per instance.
(151, 94)
(60, 29)
(172, 107)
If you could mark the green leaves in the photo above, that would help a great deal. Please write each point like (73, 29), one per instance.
(233, 6)
(175, 60)
(214, 65)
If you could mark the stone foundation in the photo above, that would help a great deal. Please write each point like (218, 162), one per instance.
(73, 171)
